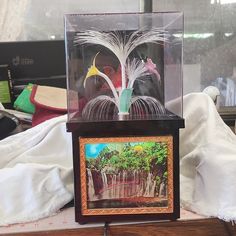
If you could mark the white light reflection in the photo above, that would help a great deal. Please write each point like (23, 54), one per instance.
(201, 35)
(195, 35)
(228, 34)
(222, 2)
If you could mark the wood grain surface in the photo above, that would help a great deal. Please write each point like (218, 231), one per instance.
(205, 227)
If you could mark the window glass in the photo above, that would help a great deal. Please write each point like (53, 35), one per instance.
(43, 20)
(209, 45)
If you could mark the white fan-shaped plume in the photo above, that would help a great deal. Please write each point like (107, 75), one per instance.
(119, 44)
(99, 108)
(135, 69)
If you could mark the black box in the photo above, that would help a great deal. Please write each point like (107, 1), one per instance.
(38, 62)
(126, 206)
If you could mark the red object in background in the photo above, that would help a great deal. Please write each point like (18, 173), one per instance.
(114, 76)
(43, 111)
(42, 114)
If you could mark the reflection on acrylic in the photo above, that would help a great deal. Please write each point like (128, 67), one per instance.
(126, 174)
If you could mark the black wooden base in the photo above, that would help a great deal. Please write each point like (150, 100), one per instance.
(151, 128)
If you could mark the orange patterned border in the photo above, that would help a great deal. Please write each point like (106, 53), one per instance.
(119, 211)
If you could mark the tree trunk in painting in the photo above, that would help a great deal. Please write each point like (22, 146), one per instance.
(123, 185)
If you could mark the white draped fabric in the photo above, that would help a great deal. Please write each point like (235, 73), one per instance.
(36, 177)
(207, 160)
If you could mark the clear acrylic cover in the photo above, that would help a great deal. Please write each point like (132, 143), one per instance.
(124, 65)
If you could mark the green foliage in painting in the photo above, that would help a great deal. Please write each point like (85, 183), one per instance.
(144, 157)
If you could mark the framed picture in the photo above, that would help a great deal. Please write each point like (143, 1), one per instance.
(126, 176)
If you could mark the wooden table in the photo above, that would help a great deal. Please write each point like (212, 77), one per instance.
(199, 227)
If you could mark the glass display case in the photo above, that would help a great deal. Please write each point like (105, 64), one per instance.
(124, 89)
(124, 64)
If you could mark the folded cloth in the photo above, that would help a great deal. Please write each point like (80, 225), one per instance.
(49, 102)
(207, 160)
(36, 177)
(22, 103)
